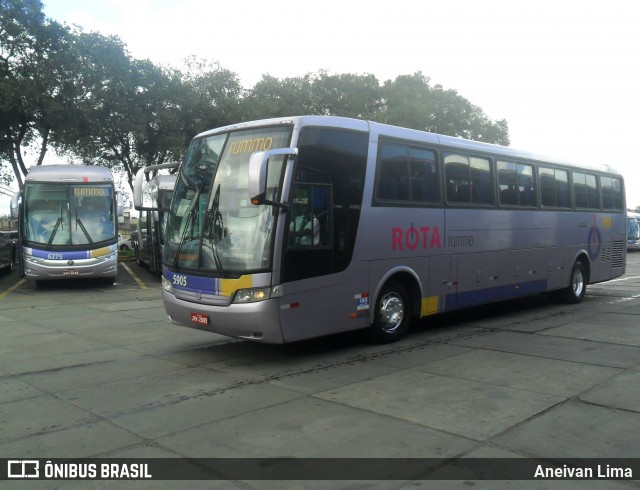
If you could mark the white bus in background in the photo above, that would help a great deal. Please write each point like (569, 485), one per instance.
(8, 232)
(67, 223)
(633, 231)
(153, 202)
(286, 229)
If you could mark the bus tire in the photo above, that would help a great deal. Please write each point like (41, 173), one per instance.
(574, 293)
(392, 314)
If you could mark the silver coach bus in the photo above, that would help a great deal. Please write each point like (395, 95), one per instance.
(152, 200)
(67, 217)
(633, 231)
(8, 232)
(287, 229)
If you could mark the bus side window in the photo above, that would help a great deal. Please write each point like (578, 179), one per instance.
(394, 173)
(562, 186)
(507, 182)
(585, 191)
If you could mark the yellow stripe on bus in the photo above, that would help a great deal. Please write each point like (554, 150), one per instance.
(229, 286)
(429, 306)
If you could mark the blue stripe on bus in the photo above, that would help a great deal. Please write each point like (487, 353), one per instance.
(194, 284)
(68, 255)
(488, 295)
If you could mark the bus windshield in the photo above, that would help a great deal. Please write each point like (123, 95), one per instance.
(67, 214)
(633, 228)
(212, 225)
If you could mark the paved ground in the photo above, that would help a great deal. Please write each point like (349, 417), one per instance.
(98, 371)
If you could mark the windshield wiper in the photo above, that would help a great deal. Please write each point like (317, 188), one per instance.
(188, 222)
(53, 233)
(84, 230)
(212, 224)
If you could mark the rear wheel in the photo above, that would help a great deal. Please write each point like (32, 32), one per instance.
(575, 292)
(392, 314)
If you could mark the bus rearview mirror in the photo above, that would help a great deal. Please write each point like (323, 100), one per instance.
(258, 169)
(15, 205)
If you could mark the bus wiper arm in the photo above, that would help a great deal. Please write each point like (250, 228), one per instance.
(213, 222)
(84, 230)
(188, 222)
(53, 233)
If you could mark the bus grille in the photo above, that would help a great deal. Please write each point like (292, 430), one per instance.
(617, 257)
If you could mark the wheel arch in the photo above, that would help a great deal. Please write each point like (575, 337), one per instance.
(409, 279)
(583, 256)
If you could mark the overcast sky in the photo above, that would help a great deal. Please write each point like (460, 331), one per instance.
(563, 73)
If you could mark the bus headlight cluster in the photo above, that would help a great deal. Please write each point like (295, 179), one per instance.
(253, 295)
(33, 259)
(110, 256)
(166, 285)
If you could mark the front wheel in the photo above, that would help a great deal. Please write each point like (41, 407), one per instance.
(392, 314)
(577, 288)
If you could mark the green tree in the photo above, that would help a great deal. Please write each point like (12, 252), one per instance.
(33, 84)
(210, 97)
(129, 112)
(272, 97)
(411, 101)
(347, 95)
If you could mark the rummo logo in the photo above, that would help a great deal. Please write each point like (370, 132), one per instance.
(23, 468)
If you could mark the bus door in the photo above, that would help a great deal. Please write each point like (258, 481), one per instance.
(317, 300)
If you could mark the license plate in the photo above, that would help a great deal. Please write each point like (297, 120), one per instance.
(70, 273)
(200, 318)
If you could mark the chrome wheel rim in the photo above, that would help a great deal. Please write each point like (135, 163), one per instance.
(391, 312)
(577, 283)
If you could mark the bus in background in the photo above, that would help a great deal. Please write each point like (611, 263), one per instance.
(633, 231)
(8, 232)
(67, 223)
(286, 229)
(153, 203)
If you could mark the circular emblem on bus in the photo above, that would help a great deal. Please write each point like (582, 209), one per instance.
(70, 262)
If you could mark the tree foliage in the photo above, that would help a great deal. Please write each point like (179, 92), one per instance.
(32, 81)
(83, 95)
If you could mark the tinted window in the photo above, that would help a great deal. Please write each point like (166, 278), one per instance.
(329, 174)
(585, 191)
(612, 195)
(554, 187)
(468, 179)
(406, 173)
(517, 184)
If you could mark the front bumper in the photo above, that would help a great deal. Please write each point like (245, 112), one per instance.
(258, 321)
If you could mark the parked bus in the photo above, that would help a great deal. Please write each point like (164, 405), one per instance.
(633, 231)
(286, 229)
(8, 232)
(67, 217)
(153, 203)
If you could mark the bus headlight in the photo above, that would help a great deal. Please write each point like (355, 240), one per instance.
(166, 285)
(110, 256)
(253, 295)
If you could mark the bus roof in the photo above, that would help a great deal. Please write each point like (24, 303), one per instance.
(409, 134)
(69, 174)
